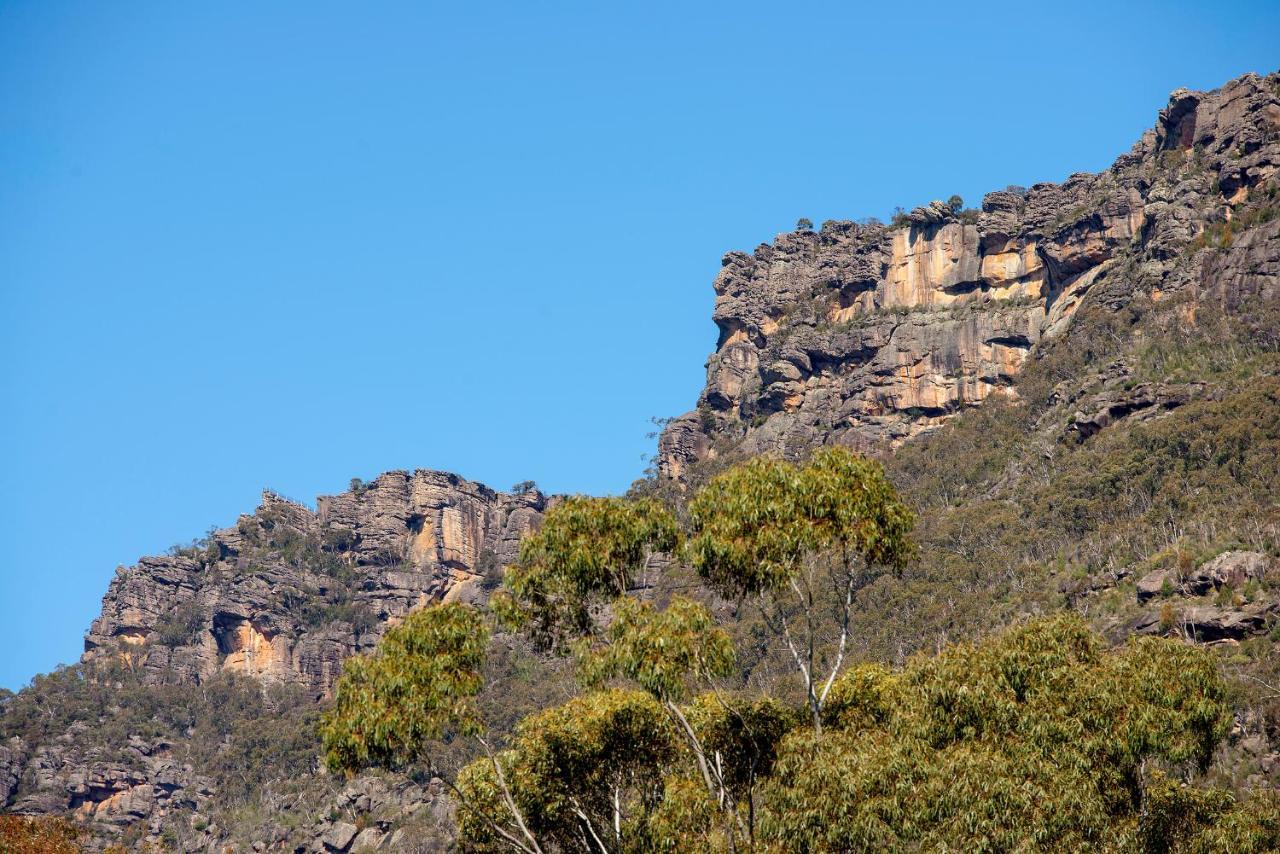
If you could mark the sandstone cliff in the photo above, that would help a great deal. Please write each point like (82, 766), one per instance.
(865, 334)
(288, 593)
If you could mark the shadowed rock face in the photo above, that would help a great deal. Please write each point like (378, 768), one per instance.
(260, 598)
(866, 334)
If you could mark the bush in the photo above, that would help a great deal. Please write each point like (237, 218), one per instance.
(1036, 739)
(37, 835)
(180, 625)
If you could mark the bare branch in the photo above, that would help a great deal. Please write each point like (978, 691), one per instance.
(507, 799)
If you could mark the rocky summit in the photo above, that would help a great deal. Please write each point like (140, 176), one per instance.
(1079, 319)
(288, 593)
(864, 333)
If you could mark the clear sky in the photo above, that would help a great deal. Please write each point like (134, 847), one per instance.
(248, 245)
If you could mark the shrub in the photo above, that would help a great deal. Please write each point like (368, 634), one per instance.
(38, 835)
(180, 625)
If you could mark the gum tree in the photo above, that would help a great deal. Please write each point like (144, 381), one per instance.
(588, 553)
(419, 686)
(796, 540)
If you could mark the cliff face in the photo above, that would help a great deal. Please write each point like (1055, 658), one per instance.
(866, 334)
(288, 593)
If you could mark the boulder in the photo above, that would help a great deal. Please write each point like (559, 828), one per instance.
(339, 837)
(1208, 623)
(1155, 583)
(367, 840)
(934, 213)
(1229, 569)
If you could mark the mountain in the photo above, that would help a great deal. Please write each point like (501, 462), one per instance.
(288, 593)
(864, 333)
(1076, 385)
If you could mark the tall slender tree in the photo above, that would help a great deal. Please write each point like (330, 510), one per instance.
(801, 541)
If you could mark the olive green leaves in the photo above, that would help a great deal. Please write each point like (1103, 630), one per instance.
(415, 687)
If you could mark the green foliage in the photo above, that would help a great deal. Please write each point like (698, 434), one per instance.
(588, 551)
(489, 570)
(861, 698)
(589, 769)
(1037, 738)
(333, 603)
(755, 524)
(956, 203)
(417, 685)
(1251, 826)
(804, 224)
(180, 625)
(38, 835)
(660, 650)
(338, 539)
(242, 736)
(743, 735)
(803, 540)
(688, 819)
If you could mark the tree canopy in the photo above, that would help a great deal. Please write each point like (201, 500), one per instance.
(1042, 737)
(589, 551)
(801, 539)
(414, 688)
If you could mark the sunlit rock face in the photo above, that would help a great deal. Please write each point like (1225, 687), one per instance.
(868, 334)
(289, 592)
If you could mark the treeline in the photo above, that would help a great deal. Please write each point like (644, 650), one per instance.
(1041, 738)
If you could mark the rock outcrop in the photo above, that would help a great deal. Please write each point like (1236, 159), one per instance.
(288, 593)
(869, 334)
(1184, 609)
(283, 597)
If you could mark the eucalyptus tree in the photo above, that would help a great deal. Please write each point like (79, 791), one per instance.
(578, 588)
(583, 776)
(587, 554)
(1042, 738)
(801, 541)
(418, 686)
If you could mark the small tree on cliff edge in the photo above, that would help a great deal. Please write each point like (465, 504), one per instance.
(796, 538)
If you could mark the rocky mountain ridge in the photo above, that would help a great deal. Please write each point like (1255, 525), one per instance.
(864, 334)
(244, 599)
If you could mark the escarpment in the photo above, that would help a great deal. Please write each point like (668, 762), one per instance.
(869, 334)
(288, 593)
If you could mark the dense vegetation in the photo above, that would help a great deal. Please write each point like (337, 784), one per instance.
(1040, 737)
(31, 835)
(247, 741)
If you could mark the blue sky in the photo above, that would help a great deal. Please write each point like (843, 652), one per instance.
(248, 245)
